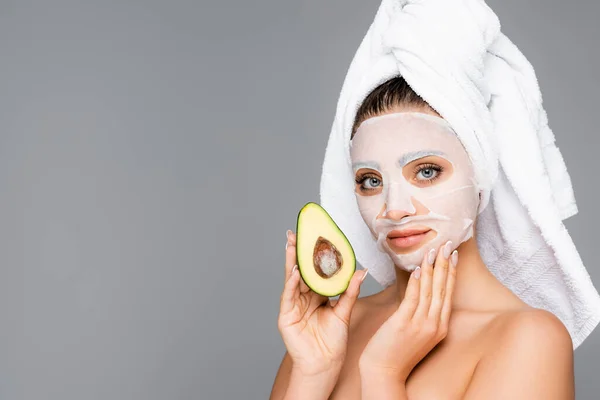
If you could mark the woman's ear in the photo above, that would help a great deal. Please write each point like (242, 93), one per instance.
(484, 197)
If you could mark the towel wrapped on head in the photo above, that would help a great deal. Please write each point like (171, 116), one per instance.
(453, 54)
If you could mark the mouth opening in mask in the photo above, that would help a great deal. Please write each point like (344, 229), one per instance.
(407, 240)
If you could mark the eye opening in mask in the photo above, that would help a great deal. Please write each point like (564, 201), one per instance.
(427, 171)
(369, 177)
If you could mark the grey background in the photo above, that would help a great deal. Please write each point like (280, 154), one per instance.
(152, 156)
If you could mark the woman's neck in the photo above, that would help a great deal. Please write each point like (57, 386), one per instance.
(476, 288)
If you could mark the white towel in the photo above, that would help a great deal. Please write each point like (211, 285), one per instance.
(452, 53)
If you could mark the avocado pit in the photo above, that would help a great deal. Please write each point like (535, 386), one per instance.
(327, 259)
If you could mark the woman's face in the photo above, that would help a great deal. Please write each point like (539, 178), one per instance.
(415, 185)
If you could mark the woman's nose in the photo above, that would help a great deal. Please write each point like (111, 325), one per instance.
(399, 202)
(397, 215)
(398, 212)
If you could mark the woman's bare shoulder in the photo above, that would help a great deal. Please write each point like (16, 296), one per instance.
(526, 334)
(530, 322)
(530, 346)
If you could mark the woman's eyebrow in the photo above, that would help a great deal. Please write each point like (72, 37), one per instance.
(365, 164)
(415, 155)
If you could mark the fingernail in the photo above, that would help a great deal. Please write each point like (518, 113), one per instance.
(431, 256)
(295, 268)
(417, 273)
(286, 245)
(287, 234)
(365, 274)
(447, 249)
(454, 259)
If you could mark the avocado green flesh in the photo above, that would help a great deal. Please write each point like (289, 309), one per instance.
(325, 257)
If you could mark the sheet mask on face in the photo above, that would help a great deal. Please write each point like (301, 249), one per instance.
(415, 185)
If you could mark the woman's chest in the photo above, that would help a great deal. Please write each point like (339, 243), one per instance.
(443, 374)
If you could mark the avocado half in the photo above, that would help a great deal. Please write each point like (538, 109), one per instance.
(325, 257)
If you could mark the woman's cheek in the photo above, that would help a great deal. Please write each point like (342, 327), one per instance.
(369, 207)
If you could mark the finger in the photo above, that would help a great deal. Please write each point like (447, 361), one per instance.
(410, 301)
(290, 293)
(291, 250)
(304, 287)
(290, 255)
(439, 281)
(291, 260)
(445, 315)
(425, 286)
(343, 308)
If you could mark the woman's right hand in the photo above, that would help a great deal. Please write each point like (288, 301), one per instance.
(314, 331)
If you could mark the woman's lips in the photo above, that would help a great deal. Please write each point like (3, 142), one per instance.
(406, 238)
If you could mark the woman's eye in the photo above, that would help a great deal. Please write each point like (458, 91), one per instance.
(427, 174)
(371, 183)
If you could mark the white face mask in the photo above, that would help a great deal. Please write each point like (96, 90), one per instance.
(415, 185)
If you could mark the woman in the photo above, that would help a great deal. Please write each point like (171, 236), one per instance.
(456, 326)
(375, 347)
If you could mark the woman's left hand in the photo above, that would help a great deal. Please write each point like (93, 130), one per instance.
(419, 323)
